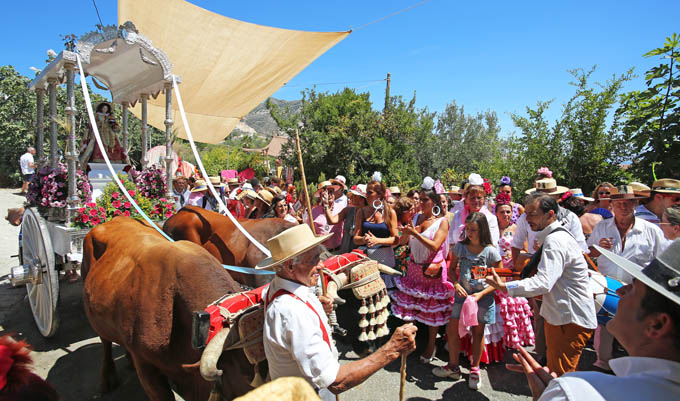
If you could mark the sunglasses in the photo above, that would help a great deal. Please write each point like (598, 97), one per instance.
(604, 193)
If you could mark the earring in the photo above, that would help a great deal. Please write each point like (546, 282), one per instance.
(438, 212)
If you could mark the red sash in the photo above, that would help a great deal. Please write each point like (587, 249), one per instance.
(280, 292)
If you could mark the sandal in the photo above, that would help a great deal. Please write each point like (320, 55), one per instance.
(426, 361)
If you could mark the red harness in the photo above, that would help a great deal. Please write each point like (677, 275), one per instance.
(280, 292)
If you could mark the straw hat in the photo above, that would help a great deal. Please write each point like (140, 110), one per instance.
(265, 196)
(640, 188)
(323, 185)
(626, 192)
(282, 389)
(340, 180)
(290, 243)
(199, 186)
(247, 193)
(667, 186)
(578, 193)
(232, 181)
(394, 190)
(661, 275)
(547, 185)
(216, 182)
(274, 190)
(454, 189)
(359, 189)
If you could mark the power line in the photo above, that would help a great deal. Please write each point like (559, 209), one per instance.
(393, 14)
(101, 24)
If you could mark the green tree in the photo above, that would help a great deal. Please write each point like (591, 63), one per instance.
(582, 148)
(651, 117)
(17, 119)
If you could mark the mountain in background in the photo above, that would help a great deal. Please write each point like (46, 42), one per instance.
(260, 124)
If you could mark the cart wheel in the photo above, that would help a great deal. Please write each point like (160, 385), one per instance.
(37, 249)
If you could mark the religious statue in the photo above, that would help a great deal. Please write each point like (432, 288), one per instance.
(108, 129)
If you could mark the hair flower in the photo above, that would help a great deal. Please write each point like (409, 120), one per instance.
(428, 183)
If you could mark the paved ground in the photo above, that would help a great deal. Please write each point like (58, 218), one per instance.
(71, 359)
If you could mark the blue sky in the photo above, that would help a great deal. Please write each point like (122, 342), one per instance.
(493, 55)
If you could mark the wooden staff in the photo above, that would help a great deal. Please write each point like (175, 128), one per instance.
(304, 182)
(324, 290)
(402, 384)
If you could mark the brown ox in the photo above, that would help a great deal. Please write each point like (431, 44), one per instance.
(219, 236)
(140, 291)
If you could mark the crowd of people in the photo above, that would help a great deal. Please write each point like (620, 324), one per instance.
(488, 273)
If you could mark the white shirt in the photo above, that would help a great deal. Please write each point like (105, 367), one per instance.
(292, 337)
(644, 242)
(524, 232)
(562, 278)
(458, 227)
(637, 378)
(25, 162)
(178, 202)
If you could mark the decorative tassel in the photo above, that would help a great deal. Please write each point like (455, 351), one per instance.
(216, 391)
(380, 319)
(363, 336)
(371, 335)
(363, 322)
(373, 321)
(363, 310)
(383, 331)
(371, 305)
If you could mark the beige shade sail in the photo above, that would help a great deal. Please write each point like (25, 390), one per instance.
(227, 67)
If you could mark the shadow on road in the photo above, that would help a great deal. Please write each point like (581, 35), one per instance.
(73, 324)
(85, 364)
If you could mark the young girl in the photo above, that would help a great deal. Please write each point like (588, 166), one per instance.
(476, 249)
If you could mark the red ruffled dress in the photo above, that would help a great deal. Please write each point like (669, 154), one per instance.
(425, 299)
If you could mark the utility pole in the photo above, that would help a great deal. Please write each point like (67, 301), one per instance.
(387, 94)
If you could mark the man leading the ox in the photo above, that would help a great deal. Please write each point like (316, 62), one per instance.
(647, 324)
(296, 333)
(629, 237)
(562, 278)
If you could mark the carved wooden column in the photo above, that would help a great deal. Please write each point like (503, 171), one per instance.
(71, 155)
(54, 146)
(168, 139)
(125, 129)
(40, 126)
(145, 129)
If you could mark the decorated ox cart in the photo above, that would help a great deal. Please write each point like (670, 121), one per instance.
(123, 61)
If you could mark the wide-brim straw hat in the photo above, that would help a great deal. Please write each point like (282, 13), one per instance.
(199, 185)
(289, 244)
(394, 190)
(265, 196)
(455, 189)
(667, 186)
(216, 182)
(662, 274)
(625, 192)
(323, 185)
(548, 186)
(359, 189)
(640, 188)
(248, 193)
(578, 193)
(339, 180)
(232, 181)
(274, 190)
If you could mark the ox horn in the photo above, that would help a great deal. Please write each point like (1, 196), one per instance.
(388, 270)
(211, 355)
